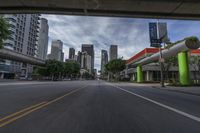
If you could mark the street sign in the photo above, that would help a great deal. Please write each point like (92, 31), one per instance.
(162, 27)
(158, 33)
(155, 42)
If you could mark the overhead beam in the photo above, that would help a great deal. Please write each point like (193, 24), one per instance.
(15, 56)
(166, 9)
(184, 45)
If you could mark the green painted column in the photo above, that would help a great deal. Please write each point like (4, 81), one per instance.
(184, 75)
(139, 74)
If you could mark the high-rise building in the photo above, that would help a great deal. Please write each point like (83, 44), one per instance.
(89, 48)
(79, 57)
(104, 60)
(86, 61)
(62, 56)
(113, 53)
(23, 39)
(71, 53)
(75, 57)
(43, 39)
(56, 50)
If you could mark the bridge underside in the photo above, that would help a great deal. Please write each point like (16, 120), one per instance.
(174, 9)
(12, 55)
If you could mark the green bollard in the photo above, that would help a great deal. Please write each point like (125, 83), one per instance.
(184, 75)
(139, 74)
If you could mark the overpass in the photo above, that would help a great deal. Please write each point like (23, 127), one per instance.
(15, 56)
(180, 50)
(173, 9)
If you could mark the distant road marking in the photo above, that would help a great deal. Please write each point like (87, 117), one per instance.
(195, 118)
(13, 117)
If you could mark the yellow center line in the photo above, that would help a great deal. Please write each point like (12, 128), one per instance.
(19, 116)
(13, 117)
(21, 111)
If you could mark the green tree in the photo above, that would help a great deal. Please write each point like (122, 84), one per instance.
(75, 69)
(195, 64)
(86, 75)
(172, 61)
(58, 70)
(4, 30)
(71, 69)
(42, 71)
(114, 67)
(54, 68)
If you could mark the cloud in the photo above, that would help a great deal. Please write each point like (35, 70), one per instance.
(131, 35)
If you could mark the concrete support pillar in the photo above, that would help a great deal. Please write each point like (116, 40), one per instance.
(147, 76)
(139, 74)
(184, 75)
(150, 76)
(133, 77)
(2, 75)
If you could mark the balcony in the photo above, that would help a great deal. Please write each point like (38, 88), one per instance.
(36, 47)
(9, 42)
(12, 23)
(13, 30)
(38, 26)
(12, 36)
(37, 36)
(36, 43)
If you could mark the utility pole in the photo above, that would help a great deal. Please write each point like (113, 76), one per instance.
(161, 57)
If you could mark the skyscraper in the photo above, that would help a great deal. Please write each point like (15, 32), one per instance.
(79, 57)
(104, 60)
(89, 48)
(86, 61)
(71, 53)
(43, 39)
(113, 52)
(23, 39)
(56, 50)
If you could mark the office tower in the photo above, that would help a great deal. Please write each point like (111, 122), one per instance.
(86, 61)
(43, 39)
(76, 57)
(62, 56)
(23, 39)
(71, 53)
(79, 57)
(56, 50)
(89, 48)
(113, 52)
(104, 60)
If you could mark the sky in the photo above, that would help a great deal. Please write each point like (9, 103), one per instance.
(130, 34)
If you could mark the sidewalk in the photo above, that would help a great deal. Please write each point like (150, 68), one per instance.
(9, 80)
(187, 90)
(193, 90)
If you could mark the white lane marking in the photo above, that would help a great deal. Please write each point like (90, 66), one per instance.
(29, 83)
(22, 83)
(162, 105)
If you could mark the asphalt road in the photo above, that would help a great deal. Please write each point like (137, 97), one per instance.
(95, 107)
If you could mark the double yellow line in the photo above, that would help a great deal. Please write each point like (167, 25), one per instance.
(13, 117)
